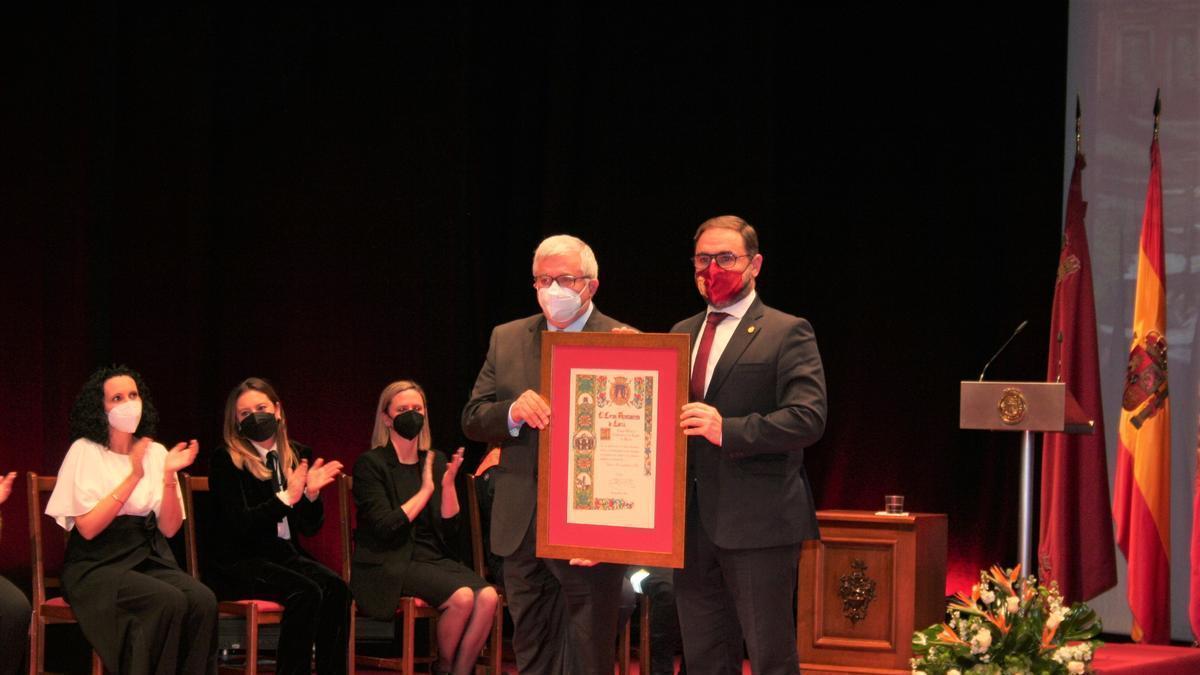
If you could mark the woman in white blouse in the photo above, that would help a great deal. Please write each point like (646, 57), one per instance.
(118, 496)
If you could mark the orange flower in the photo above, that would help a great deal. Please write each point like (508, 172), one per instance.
(967, 604)
(1000, 622)
(948, 635)
(1006, 580)
(1048, 636)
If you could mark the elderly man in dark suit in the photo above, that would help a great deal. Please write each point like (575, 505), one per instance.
(564, 615)
(757, 400)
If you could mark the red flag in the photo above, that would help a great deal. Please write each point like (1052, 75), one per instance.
(1075, 546)
(1194, 607)
(1142, 503)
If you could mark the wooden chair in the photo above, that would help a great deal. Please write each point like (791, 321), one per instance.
(493, 652)
(255, 612)
(408, 610)
(54, 610)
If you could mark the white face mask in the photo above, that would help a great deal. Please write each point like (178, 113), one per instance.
(126, 416)
(559, 304)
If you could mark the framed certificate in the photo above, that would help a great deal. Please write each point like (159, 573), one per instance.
(612, 462)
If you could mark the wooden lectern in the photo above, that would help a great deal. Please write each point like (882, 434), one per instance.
(1027, 407)
(865, 586)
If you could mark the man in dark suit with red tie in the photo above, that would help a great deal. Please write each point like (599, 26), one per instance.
(757, 401)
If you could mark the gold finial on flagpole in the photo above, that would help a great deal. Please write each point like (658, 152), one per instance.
(1157, 110)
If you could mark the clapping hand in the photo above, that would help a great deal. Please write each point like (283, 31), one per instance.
(452, 467)
(297, 481)
(427, 472)
(321, 474)
(181, 456)
(137, 454)
(6, 484)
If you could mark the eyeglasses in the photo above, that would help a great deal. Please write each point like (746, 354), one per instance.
(725, 260)
(563, 281)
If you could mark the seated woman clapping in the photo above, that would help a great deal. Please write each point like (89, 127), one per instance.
(407, 511)
(268, 495)
(118, 495)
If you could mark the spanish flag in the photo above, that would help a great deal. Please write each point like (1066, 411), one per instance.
(1142, 499)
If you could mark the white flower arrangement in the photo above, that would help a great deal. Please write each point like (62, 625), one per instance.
(1008, 625)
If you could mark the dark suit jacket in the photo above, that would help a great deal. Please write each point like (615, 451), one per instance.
(247, 511)
(383, 536)
(769, 386)
(513, 365)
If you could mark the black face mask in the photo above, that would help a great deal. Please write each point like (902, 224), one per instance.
(259, 426)
(408, 424)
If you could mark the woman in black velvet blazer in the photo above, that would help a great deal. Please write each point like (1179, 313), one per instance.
(407, 510)
(267, 495)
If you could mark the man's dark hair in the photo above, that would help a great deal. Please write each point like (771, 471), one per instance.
(749, 236)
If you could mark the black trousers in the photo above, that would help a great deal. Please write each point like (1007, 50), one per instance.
(316, 611)
(664, 620)
(564, 618)
(726, 596)
(172, 622)
(15, 613)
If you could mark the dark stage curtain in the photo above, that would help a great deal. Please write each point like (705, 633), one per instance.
(333, 197)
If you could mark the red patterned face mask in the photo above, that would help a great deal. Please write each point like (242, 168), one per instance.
(722, 285)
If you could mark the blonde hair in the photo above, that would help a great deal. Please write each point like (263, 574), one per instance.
(244, 455)
(564, 244)
(379, 435)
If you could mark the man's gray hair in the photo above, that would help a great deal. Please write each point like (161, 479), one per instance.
(565, 244)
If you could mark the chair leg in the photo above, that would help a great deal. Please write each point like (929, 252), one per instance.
(350, 653)
(252, 640)
(37, 647)
(97, 664)
(408, 628)
(497, 645)
(623, 649)
(644, 635)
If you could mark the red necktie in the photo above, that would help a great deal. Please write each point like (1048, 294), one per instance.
(700, 367)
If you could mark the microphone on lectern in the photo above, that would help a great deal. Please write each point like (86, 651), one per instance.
(1001, 350)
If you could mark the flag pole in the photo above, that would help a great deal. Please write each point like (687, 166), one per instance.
(1157, 110)
(1079, 127)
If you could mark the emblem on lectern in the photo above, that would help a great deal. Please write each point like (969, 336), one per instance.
(1012, 405)
(856, 590)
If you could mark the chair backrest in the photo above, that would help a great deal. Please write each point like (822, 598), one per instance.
(191, 485)
(345, 484)
(35, 486)
(475, 521)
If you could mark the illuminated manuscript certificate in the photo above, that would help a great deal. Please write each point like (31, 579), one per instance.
(613, 447)
(612, 462)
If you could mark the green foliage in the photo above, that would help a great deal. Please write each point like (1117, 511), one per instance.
(1008, 625)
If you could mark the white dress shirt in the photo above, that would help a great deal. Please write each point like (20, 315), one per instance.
(281, 528)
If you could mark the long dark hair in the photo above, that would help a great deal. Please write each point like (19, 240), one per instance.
(88, 419)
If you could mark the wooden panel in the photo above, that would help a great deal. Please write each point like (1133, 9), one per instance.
(834, 623)
(903, 557)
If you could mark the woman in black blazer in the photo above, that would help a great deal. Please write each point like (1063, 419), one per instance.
(268, 494)
(407, 511)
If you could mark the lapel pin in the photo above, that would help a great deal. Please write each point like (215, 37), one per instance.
(751, 329)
